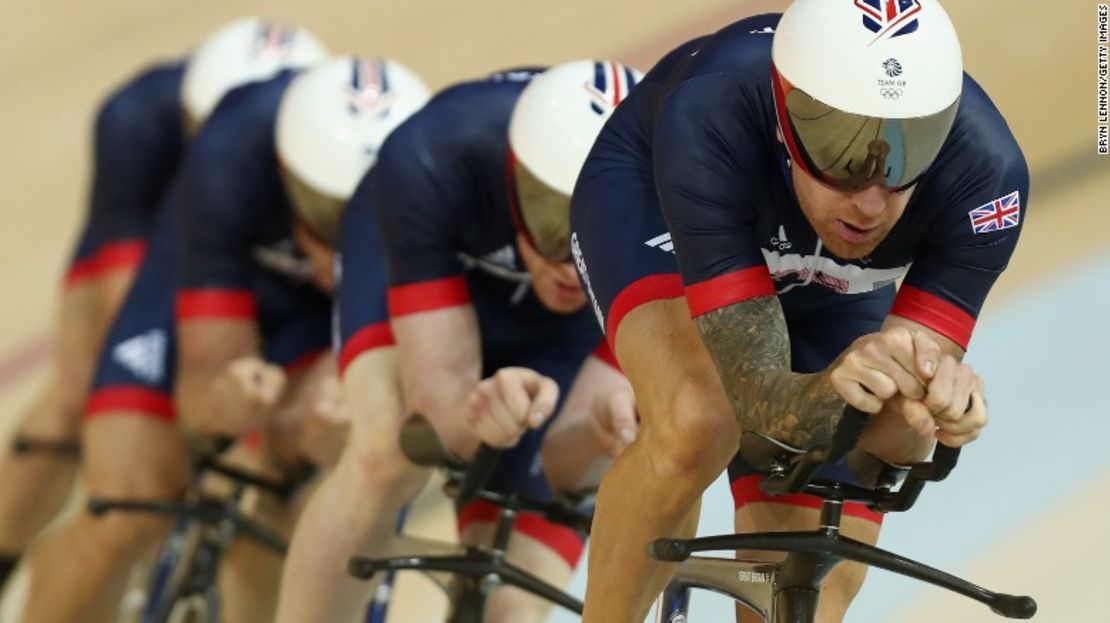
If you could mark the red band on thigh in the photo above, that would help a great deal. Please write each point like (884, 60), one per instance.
(143, 401)
(112, 256)
(564, 541)
(745, 490)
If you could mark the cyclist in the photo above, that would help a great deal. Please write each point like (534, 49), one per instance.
(229, 179)
(139, 136)
(740, 225)
(482, 329)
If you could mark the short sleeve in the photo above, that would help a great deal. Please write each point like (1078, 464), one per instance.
(415, 193)
(710, 160)
(981, 195)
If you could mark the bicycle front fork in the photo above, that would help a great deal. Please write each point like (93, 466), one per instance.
(673, 604)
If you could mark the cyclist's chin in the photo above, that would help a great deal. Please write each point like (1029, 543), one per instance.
(561, 300)
(848, 244)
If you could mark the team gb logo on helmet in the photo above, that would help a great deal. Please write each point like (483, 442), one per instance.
(272, 39)
(369, 90)
(889, 18)
(611, 82)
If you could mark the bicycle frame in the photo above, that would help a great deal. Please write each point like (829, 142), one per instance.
(787, 592)
(469, 574)
(191, 554)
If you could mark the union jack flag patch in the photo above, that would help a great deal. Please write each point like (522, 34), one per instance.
(1002, 213)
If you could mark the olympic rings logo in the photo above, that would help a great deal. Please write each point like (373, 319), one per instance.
(891, 94)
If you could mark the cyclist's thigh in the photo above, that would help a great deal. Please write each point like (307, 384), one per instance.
(621, 245)
(295, 322)
(362, 329)
(626, 263)
(132, 444)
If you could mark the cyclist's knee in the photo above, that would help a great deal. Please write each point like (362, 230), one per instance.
(691, 444)
(69, 411)
(53, 415)
(122, 536)
(381, 466)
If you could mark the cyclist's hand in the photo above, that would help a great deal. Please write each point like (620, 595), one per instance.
(246, 391)
(879, 366)
(510, 402)
(614, 418)
(954, 397)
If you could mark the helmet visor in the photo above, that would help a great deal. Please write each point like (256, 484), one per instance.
(318, 211)
(849, 151)
(544, 215)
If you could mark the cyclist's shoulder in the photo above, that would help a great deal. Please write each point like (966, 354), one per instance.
(239, 132)
(151, 96)
(981, 134)
(737, 56)
(980, 161)
(460, 116)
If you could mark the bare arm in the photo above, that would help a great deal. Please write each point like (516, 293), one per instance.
(750, 347)
(587, 433)
(905, 360)
(371, 385)
(206, 347)
(440, 365)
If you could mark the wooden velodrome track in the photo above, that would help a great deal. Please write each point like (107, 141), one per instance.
(58, 58)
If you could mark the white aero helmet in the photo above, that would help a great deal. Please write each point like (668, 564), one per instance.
(554, 124)
(243, 51)
(331, 123)
(866, 90)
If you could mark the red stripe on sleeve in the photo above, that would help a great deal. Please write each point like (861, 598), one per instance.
(604, 353)
(428, 295)
(745, 490)
(368, 338)
(149, 402)
(122, 254)
(114, 256)
(727, 289)
(216, 303)
(81, 271)
(305, 361)
(934, 312)
(645, 290)
(564, 541)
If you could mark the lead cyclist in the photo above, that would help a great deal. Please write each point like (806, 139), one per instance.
(740, 226)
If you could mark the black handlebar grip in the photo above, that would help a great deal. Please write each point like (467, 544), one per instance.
(668, 550)
(97, 506)
(944, 461)
(847, 433)
(478, 473)
(1014, 606)
(362, 568)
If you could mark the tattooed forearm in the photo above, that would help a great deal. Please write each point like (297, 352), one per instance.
(750, 346)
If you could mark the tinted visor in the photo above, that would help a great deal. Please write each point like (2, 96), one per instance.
(849, 151)
(314, 209)
(544, 215)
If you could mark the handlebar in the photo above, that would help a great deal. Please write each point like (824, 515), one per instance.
(794, 480)
(422, 446)
(66, 448)
(786, 479)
